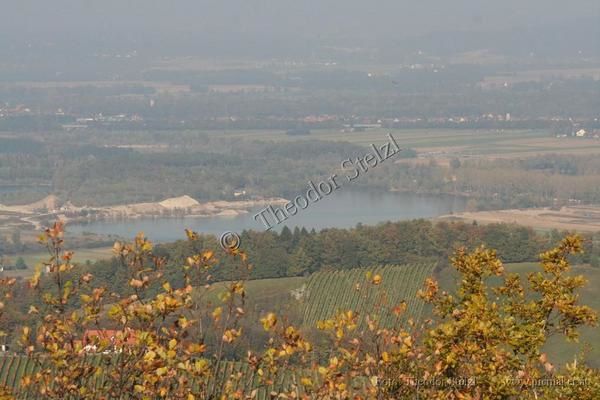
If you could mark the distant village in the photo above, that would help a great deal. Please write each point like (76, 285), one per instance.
(559, 126)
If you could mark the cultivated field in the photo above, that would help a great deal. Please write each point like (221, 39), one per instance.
(442, 144)
(574, 218)
(330, 292)
(13, 368)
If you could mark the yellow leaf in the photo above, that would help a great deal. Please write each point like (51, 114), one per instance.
(34, 282)
(306, 381)
(216, 314)
(149, 356)
(207, 255)
(269, 321)
(191, 235)
(333, 362)
(231, 334)
(197, 348)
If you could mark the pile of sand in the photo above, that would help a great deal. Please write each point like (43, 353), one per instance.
(179, 202)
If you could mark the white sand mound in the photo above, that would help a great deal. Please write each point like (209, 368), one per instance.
(179, 202)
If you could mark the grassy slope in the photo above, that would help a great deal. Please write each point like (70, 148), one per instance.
(263, 295)
(269, 294)
(265, 290)
(81, 256)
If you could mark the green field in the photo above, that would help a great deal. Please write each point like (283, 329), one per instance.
(415, 138)
(262, 294)
(439, 142)
(37, 258)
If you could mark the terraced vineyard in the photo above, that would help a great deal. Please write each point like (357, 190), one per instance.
(322, 296)
(14, 367)
(327, 293)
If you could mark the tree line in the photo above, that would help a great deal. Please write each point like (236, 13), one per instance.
(301, 252)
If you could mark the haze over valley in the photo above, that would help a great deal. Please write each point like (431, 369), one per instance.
(326, 199)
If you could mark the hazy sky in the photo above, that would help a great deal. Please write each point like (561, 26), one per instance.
(264, 29)
(303, 17)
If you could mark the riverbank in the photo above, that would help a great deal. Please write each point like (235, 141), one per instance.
(51, 207)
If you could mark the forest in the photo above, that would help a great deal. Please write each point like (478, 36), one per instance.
(209, 167)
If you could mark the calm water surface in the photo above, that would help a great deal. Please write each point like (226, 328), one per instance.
(343, 210)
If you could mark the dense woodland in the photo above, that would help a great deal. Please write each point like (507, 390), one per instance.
(300, 252)
(549, 180)
(212, 168)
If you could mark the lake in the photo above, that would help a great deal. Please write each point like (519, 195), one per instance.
(343, 210)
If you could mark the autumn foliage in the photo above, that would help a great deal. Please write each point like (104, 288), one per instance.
(484, 340)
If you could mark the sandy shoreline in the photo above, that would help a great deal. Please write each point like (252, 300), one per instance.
(185, 206)
(583, 218)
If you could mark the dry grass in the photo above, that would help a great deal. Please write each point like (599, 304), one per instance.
(35, 259)
(573, 218)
